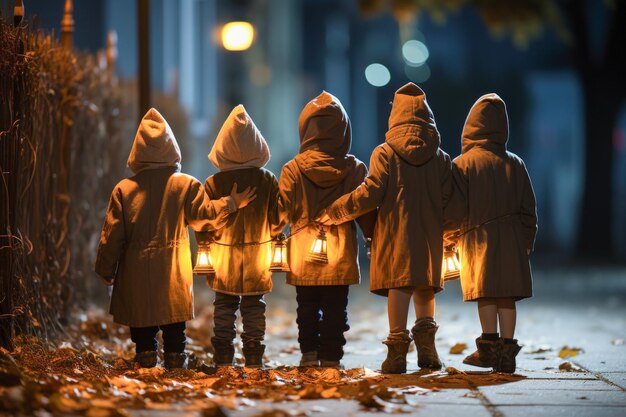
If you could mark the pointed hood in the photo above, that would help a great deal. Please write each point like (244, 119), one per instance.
(239, 144)
(155, 145)
(325, 139)
(412, 133)
(487, 124)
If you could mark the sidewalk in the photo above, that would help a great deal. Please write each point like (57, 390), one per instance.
(578, 309)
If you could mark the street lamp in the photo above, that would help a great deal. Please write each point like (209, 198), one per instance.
(237, 36)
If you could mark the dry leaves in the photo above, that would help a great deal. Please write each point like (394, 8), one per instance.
(458, 348)
(569, 352)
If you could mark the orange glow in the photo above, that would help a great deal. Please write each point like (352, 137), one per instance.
(237, 36)
(451, 268)
(279, 257)
(318, 253)
(204, 262)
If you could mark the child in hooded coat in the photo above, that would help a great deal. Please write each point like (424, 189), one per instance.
(144, 247)
(410, 184)
(242, 274)
(494, 205)
(322, 172)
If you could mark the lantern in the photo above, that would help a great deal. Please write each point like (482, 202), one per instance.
(279, 255)
(451, 268)
(318, 253)
(204, 263)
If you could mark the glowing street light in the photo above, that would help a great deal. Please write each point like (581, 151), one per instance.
(237, 36)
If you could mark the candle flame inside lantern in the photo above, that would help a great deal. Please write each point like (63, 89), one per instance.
(204, 262)
(318, 253)
(451, 268)
(279, 256)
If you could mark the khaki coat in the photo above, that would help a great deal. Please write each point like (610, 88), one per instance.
(322, 172)
(410, 183)
(241, 264)
(498, 208)
(144, 244)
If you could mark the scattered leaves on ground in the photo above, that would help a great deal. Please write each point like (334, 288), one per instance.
(569, 352)
(458, 348)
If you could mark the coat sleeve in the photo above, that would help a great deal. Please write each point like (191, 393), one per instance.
(112, 238)
(204, 214)
(456, 210)
(528, 211)
(286, 189)
(205, 237)
(368, 220)
(367, 196)
(276, 215)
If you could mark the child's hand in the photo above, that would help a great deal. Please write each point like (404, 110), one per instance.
(324, 219)
(108, 281)
(244, 198)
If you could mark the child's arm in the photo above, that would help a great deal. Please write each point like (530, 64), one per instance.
(202, 213)
(112, 239)
(366, 197)
(529, 212)
(277, 215)
(455, 209)
(368, 220)
(286, 190)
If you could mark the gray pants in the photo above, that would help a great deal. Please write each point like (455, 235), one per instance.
(252, 310)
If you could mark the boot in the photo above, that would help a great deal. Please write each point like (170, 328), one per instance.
(486, 354)
(424, 337)
(147, 359)
(224, 353)
(309, 359)
(508, 353)
(395, 363)
(175, 360)
(253, 353)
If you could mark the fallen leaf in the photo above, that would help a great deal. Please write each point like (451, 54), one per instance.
(458, 348)
(569, 352)
(569, 367)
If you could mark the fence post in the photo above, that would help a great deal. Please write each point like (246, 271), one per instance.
(67, 26)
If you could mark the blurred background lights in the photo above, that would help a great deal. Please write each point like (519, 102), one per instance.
(415, 53)
(377, 75)
(237, 36)
(417, 74)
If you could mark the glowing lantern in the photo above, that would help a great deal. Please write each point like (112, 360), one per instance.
(237, 36)
(204, 263)
(279, 255)
(318, 253)
(451, 268)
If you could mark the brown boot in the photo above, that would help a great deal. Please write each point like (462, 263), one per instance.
(224, 352)
(147, 359)
(175, 360)
(396, 356)
(508, 353)
(486, 354)
(253, 353)
(424, 337)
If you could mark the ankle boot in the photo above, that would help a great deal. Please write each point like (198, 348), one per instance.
(508, 352)
(253, 353)
(396, 356)
(224, 353)
(309, 359)
(486, 354)
(147, 359)
(424, 337)
(175, 360)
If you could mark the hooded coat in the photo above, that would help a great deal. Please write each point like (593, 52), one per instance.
(144, 244)
(240, 153)
(322, 172)
(496, 203)
(410, 183)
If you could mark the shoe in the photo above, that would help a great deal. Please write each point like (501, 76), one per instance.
(330, 364)
(395, 363)
(424, 337)
(175, 360)
(224, 353)
(508, 352)
(309, 359)
(147, 359)
(253, 353)
(486, 354)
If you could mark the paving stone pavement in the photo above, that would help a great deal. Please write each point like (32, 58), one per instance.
(584, 309)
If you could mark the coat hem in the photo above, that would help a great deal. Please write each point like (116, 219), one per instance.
(176, 319)
(384, 291)
(309, 283)
(240, 294)
(478, 296)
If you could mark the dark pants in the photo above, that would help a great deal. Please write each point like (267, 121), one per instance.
(252, 310)
(322, 319)
(174, 339)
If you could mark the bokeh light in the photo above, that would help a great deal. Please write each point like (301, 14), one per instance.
(377, 75)
(415, 53)
(417, 74)
(237, 36)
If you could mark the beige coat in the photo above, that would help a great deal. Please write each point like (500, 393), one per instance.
(498, 207)
(240, 152)
(322, 172)
(144, 243)
(410, 183)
